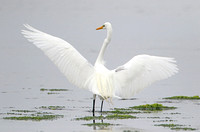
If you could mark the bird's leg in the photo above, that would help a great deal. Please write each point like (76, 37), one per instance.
(94, 98)
(102, 109)
(93, 110)
(102, 105)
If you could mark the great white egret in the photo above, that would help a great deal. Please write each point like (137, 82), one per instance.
(123, 82)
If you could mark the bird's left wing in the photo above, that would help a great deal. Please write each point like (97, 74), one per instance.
(140, 72)
(69, 61)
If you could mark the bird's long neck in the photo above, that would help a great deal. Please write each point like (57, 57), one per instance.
(103, 48)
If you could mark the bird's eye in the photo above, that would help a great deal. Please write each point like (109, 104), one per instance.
(103, 25)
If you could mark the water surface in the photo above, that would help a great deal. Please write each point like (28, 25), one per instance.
(164, 28)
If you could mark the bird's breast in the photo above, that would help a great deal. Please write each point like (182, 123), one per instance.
(104, 83)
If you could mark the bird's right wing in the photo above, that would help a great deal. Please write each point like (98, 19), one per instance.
(69, 61)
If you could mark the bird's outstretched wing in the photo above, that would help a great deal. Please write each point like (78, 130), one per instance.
(69, 61)
(140, 72)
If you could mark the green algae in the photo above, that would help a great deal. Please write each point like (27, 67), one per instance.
(52, 107)
(130, 131)
(52, 93)
(176, 127)
(31, 115)
(153, 117)
(87, 118)
(35, 117)
(121, 112)
(183, 97)
(43, 89)
(20, 112)
(10, 113)
(165, 121)
(24, 111)
(119, 116)
(169, 125)
(122, 109)
(114, 116)
(184, 128)
(152, 107)
(125, 111)
(176, 113)
(99, 124)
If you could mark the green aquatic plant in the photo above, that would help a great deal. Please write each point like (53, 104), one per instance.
(10, 113)
(153, 117)
(44, 113)
(35, 117)
(99, 124)
(130, 131)
(176, 127)
(183, 97)
(52, 107)
(20, 112)
(52, 93)
(119, 116)
(114, 116)
(164, 121)
(126, 111)
(169, 125)
(122, 109)
(175, 113)
(27, 112)
(43, 89)
(31, 115)
(87, 118)
(24, 111)
(152, 107)
(184, 128)
(116, 111)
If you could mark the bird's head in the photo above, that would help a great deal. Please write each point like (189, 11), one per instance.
(106, 25)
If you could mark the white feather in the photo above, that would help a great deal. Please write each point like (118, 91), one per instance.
(124, 81)
(69, 61)
(140, 72)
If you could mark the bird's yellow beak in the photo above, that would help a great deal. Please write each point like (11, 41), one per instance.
(99, 28)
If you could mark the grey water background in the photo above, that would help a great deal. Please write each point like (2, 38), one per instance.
(156, 27)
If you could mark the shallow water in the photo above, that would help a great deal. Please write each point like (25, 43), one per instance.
(164, 28)
(187, 113)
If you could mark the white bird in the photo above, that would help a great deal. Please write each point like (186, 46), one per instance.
(123, 82)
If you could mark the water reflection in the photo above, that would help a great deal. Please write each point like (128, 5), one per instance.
(110, 128)
(101, 127)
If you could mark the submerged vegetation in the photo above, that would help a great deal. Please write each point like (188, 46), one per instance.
(52, 107)
(184, 97)
(169, 125)
(35, 117)
(114, 116)
(53, 91)
(184, 128)
(39, 114)
(152, 107)
(87, 118)
(43, 89)
(176, 127)
(122, 111)
(119, 116)
(147, 108)
(24, 111)
(99, 124)
(32, 115)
